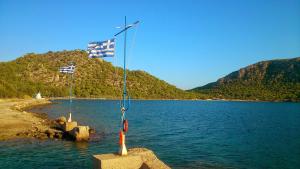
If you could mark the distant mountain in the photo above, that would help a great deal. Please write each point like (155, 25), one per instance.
(31, 73)
(272, 80)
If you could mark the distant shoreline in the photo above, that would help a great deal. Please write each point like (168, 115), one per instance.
(233, 100)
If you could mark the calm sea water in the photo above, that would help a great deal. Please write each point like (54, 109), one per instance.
(184, 134)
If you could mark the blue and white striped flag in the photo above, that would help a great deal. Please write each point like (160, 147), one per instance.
(101, 49)
(67, 69)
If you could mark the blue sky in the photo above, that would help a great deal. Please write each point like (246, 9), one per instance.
(187, 43)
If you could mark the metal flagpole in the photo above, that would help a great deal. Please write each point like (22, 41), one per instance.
(124, 89)
(124, 107)
(69, 70)
(70, 94)
(70, 99)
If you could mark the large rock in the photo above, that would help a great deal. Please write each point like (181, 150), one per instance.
(61, 120)
(50, 133)
(137, 158)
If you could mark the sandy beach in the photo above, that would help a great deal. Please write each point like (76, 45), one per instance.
(16, 123)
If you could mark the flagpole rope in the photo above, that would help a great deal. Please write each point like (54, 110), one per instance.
(132, 45)
(128, 65)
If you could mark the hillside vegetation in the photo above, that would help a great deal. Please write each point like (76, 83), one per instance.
(273, 80)
(31, 73)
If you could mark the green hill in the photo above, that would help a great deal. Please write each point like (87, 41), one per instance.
(272, 80)
(93, 78)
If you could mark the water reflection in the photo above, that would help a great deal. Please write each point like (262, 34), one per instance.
(82, 146)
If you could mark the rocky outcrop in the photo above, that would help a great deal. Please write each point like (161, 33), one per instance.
(273, 80)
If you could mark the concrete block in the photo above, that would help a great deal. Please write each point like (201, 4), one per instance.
(137, 158)
(114, 161)
(68, 126)
(80, 133)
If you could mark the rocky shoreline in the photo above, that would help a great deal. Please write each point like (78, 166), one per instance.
(16, 123)
(50, 132)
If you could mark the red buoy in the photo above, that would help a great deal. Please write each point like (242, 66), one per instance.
(125, 125)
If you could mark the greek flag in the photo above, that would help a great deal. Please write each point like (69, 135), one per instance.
(101, 49)
(67, 69)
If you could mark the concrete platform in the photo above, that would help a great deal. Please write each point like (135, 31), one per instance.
(113, 161)
(137, 158)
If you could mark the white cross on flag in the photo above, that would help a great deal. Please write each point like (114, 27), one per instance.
(101, 49)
